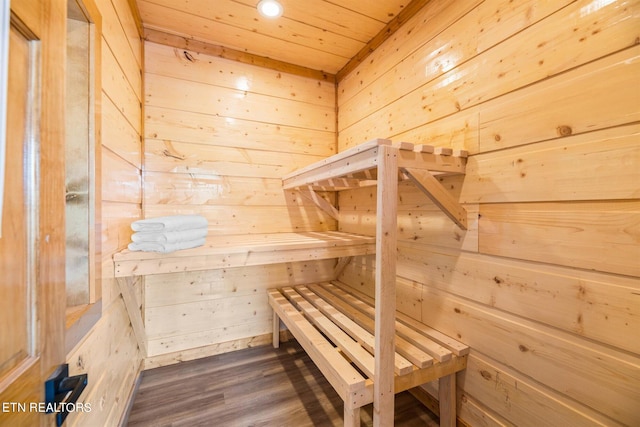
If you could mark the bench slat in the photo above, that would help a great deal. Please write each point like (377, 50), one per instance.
(456, 347)
(358, 333)
(408, 350)
(358, 355)
(344, 378)
(440, 353)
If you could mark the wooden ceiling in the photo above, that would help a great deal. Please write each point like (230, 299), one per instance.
(316, 35)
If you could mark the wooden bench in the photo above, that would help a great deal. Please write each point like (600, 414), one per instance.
(336, 326)
(230, 251)
(233, 251)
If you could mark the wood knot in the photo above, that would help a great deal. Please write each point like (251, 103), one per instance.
(486, 375)
(523, 348)
(188, 56)
(457, 310)
(564, 130)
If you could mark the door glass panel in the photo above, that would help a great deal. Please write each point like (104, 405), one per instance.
(77, 159)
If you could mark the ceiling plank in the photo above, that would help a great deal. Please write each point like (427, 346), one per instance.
(406, 14)
(276, 45)
(179, 42)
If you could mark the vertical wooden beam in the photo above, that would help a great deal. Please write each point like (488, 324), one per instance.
(385, 293)
(351, 416)
(447, 398)
(276, 330)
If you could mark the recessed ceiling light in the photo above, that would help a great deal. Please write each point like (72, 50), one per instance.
(270, 8)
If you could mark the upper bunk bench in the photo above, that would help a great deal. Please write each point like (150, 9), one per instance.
(358, 167)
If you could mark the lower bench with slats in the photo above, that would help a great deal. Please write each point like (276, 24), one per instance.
(335, 327)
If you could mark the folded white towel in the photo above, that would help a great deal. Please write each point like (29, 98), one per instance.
(170, 223)
(169, 236)
(165, 247)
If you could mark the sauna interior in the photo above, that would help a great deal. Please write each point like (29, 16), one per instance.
(525, 258)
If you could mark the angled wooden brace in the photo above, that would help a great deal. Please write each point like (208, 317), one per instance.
(340, 265)
(135, 316)
(430, 186)
(310, 194)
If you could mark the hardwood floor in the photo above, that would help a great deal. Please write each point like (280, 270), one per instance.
(261, 386)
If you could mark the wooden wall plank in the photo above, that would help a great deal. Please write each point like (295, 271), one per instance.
(418, 218)
(201, 342)
(117, 88)
(173, 125)
(485, 77)
(120, 180)
(116, 41)
(199, 67)
(576, 368)
(598, 306)
(560, 107)
(599, 236)
(591, 166)
(518, 398)
(235, 104)
(118, 135)
(431, 21)
(186, 43)
(459, 132)
(251, 219)
(181, 319)
(218, 190)
(128, 21)
(186, 287)
(111, 343)
(180, 157)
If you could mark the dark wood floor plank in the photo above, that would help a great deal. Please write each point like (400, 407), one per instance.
(252, 388)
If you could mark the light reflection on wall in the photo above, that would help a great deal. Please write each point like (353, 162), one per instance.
(595, 6)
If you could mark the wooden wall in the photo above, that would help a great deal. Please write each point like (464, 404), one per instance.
(544, 285)
(109, 352)
(219, 135)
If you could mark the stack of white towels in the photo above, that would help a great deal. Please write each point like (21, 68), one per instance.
(168, 233)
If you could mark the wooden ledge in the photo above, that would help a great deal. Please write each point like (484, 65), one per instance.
(245, 250)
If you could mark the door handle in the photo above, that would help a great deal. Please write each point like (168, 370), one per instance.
(61, 391)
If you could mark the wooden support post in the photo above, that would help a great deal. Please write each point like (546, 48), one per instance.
(276, 330)
(133, 309)
(351, 416)
(430, 186)
(385, 292)
(447, 398)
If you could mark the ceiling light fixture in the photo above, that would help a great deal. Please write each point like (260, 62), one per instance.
(270, 8)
